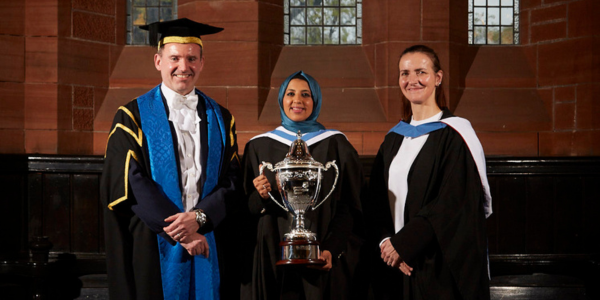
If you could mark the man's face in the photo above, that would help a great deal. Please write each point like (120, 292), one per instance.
(180, 66)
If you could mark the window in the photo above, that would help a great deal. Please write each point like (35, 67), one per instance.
(142, 12)
(322, 22)
(493, 22)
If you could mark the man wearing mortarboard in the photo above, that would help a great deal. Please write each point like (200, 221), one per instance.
(171, 176)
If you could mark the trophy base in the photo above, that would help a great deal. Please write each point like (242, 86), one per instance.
(300, 252)
(301, 262)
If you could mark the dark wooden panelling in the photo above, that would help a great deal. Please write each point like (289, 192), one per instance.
(57, 205)
(59, 198)
(541, 205)
(35, 197)
(560, 201)
(12, 203)
(513, 202)
(546, 211)
(547, 166)
(568, 212)
(540, 210)
(100, 222)
(591, 213)
(65, 164)
(85, 225)
(492, 222)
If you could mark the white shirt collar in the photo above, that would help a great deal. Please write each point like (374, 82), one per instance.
(433, 118)
(170, 94)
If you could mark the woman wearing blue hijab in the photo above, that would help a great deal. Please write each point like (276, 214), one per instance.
(336, 222)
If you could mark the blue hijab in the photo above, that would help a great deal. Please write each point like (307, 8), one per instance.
(310, 124)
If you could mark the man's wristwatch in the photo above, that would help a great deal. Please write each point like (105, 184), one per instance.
(200, 217)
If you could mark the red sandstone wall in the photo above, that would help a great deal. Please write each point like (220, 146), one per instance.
(12, 77)
(56, 74)
(538, 98)
(65, 71)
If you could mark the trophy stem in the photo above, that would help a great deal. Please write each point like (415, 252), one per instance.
(299, 221)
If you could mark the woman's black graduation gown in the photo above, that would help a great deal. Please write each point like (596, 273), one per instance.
(444, 237)
(337, 224)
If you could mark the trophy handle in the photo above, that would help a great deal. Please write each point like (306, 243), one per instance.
(270, 167)
(337, 173)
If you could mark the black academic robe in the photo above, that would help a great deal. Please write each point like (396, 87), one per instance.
(444, 237)
(337, 223)
(131, 227)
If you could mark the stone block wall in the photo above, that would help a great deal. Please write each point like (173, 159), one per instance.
(65, 71)
(56, 73)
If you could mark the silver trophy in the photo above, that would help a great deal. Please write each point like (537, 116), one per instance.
(299, 181)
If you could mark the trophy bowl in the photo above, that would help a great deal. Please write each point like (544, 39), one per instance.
(299, 181)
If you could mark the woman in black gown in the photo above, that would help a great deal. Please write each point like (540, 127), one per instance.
(336, 222)
(429, 195)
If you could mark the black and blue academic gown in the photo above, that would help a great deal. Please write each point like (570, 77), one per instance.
(337, 222)
(140, 187)
(444, 236)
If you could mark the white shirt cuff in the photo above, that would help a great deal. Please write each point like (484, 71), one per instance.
(387, 238)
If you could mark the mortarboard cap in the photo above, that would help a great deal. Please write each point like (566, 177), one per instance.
(182, 31)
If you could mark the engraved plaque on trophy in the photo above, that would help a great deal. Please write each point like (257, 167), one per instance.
(299, 181)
